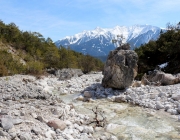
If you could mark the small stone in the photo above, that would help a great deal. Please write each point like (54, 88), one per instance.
(67, 136)
(128, 97)
(12, 134)
(153, 96)
(2, 133)
(158, 99)
(120, 99)
(111, 98)
(177, 103)
(57, 124)
(79, 128)
(6, 123)
(34, 115)
(80, 98)
(168, 106)
(36, 130)
(84, 136)
(41, 119)
(162, 94)
(9, 89)
(108, 91)
(22, 113)
(129, 90)
(176, 96)
(3, 112)
(178, 110)
(17, 121)
(63, 92)
(49, 83)
(58, 131)
(97, 80)
(49, 134)
(88, 94)
(16, 113)
(133, 96)
(159, 105)
(54, 111)
(150, 105)
(88, 129)
(172, 111)
(69, 131)
(25, 136)
(68, 123)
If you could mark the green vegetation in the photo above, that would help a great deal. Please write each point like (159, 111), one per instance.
(37, 53)
(165, 49)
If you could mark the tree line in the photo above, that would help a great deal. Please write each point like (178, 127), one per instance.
(164, 50)
(38, 53)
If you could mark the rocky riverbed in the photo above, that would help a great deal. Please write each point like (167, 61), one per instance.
(49, 108)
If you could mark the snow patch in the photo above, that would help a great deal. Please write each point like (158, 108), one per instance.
(163, 65)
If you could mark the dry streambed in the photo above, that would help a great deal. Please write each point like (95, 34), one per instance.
(33, 109)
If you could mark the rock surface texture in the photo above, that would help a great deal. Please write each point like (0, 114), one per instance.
(120, 69)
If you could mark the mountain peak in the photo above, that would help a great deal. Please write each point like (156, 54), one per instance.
(98, 29)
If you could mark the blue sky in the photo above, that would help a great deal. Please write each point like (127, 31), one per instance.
(59, 18)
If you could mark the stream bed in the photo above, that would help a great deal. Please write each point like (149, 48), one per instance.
(129, 122)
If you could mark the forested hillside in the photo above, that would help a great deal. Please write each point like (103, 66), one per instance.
(30, 53)
(165, 50)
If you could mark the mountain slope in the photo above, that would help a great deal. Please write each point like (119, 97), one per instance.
(98, 42)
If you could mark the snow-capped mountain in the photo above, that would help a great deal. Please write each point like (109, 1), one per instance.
(98, 42)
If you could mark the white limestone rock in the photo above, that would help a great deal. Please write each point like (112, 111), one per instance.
(176, 96)
(159, 105)
(49, 134)
(88, 129)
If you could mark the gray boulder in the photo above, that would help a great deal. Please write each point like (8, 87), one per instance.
(157, 77)
(120, 69)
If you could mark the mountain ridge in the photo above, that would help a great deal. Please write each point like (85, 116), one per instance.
(98, 42)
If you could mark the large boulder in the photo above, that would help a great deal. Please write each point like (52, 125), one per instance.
(158, 77)
(120, 68)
